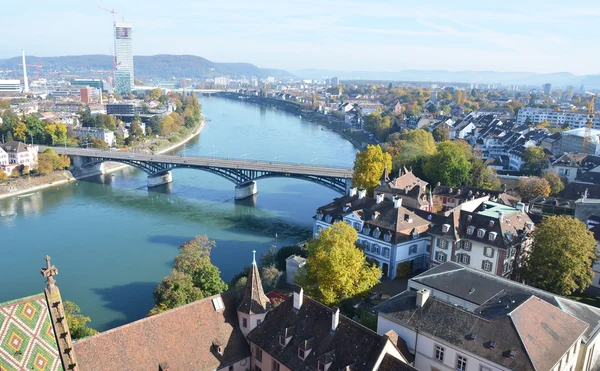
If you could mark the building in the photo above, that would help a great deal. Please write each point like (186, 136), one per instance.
(392, 236)
(292, 264)
(555, 118)
(21, 153)
(123, 109)
(593, 224)
(85, 95)
(122, 82)
(456, 318)
(222, 81)
(10, 86)
(107, 136)
(433, 97)
(124, 55)
(92, 83)
(567, 166)
(547, 88)
(487, 236)
(335, 81)
(407, 186)
(224, 332)
(448, 198)
(573, 141)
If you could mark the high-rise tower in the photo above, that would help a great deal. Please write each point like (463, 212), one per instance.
(124, 57)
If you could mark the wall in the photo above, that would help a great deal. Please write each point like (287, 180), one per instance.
(267, 361)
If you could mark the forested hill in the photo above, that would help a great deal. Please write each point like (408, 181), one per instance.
(164, 66)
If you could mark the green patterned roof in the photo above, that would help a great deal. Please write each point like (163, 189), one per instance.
(27, 339)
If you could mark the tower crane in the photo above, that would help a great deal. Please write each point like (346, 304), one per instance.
(588, 126)
(37, 69)
(110, 11)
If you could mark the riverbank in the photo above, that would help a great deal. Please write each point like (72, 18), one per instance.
(24, 185)
(358, 138)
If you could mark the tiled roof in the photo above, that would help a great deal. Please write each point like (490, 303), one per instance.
(350, 344)
(14, 146)
(184, 338)
(390, 363)
(27, 339)
(465, 193)
(568, 159)
(254, 301)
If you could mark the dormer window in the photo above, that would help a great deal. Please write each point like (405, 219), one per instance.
(470, 229)
(282, 340)
(415, 235)
(319, 216)
(491, 223)
(376, 233)
(480, 232)
(492, 236)
(387, 237)
(301, 354)
(328, 218)
(445, 228)
(366, 230)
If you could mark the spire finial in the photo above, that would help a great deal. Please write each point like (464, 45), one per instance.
(254, 257)
(49, 271)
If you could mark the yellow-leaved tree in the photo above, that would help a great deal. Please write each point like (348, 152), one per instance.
(369, 166)
(336, 269)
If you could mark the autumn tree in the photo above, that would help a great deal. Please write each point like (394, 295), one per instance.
(481, 176)
(421, 138)
(555, 182)
(369, 166)
(3, 175)
(77, 322)
(532, 187)
(136, 130)
(534, 160)
(561, 257)
(441, 133)
(336, 269)
(449, 166)
(20, 131)
(154, 94)
(175, 290)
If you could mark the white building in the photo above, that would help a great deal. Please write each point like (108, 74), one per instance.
(292, 264)
(555, 118)
(222, 81)
(106, 135)
(12, 86)
(21, 154)
(566, 166)
(455, 318)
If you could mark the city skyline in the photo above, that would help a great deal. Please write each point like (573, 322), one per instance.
(540, 36)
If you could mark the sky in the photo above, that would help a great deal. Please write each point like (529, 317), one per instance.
(540, 36)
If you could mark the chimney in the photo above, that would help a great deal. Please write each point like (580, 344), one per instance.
(500, 215)
(422, 296)
(362, 193)
(298, 297)
(352, 192)
(335, 319)
(397, 202)
(379, 198)
(25, 81)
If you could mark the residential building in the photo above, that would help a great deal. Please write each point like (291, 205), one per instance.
(555, 118)
(392, 236)
(397, 108)
(593, 224)
(488, 236)
(449, 198)
(407, 186)
(573, 141)
(567, 166)
(452, 314)
(335, 81)
(3, 157)
(85, 95)
(124, 56)
(122, 131)
(21, 153)
(543, 205)
(10, 86)
(100, 133)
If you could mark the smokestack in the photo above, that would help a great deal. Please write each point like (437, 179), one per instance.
(335, 319)
(25, 82)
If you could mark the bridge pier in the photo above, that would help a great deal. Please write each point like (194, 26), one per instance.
(160, 179)
(245, 190)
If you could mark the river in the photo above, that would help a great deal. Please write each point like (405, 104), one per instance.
(113, 240)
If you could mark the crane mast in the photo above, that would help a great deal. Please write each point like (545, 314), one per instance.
(588, 126)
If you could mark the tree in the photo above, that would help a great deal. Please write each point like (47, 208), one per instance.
(449, 166)
(269, 258)
(369, 166)
(544, 124)
(336, 269)
(105, 121)
(77, 322)
(270, 277)
(555, 182)
(98, 143)
(534, 160)
(532, 187)
(175, 290)
(136, 130)
(561, 256)
(20, 131)
(421, 138)
(3, 176)
(441, 133)
(45, 164)
(481, 176)
(154, 94)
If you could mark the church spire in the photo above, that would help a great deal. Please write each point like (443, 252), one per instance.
(255, 304)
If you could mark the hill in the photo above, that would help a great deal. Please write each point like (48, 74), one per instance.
(162, 66)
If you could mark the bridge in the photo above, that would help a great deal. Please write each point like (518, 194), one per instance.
(243, 173)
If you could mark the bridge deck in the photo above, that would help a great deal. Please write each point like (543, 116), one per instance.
(216, 162)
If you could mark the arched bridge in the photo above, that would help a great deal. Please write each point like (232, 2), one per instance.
(243, 173)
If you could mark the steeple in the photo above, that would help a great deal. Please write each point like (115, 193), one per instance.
(58, 318)
(255, 304)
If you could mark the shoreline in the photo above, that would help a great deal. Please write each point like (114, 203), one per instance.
(68, 176)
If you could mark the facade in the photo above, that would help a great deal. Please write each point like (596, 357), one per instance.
(451, 197)
(21, 154)
(407, 186)
(477, 315)
(555, 118)
(547, 88)
(92, 83)
(10, 86)
(573, 141)
(123, 109)
(392, 236)
(122, 82)
(335, 81)
(106, 135)
(566, 166)
(492, 238)
(124, 52)
(85, 95)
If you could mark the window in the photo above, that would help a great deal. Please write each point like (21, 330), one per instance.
(465, 259)
(366, 245)
(282, 340)
(386, 252)
(376, 248)
(492, 236)
(467, 245)
(439, 353)
(358, 226)
(321, 366)
(412, 250)
(440, 256)
(484, 368)
(301, 353)
(376, 233)
(366, 230)
(442, 244)
(506, 267)
(328, 218)
(461, 363)
(258, 354)
(480, 232)
(245, 322)
(445, 228)
(387, 237)
(488, 251)
(275, 366)
(428, 247)
(415, 235)
(486, 265)
(511, 252)
(258, 322)
(231, 368)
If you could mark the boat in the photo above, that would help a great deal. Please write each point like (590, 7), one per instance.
(25, 195)
(8, 215)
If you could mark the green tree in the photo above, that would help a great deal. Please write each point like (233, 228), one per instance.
(154, 94)
(534, 160)
(98, 143)
(35, 129)
(105, 121)
(369, 166)
(3, 176)
(45, 164)
(20, 131)
(136, 130)
(555, 182)
(336, 269)
(561, 256)
(532, 187)
(175, 290)
(441, 133)
(421, 138)
(77, 322)
(481, 176)
(449, 166)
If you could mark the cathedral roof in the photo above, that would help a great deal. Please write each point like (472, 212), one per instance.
(254, 301)
(27, 338)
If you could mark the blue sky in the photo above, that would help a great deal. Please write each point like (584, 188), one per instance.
(372, 35)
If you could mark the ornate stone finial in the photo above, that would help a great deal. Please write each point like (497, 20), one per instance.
(254, 257)
(49, 271)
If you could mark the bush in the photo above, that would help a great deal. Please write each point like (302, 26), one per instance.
(3, 175)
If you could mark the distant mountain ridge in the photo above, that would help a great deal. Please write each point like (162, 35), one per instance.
(162, 66)
(558, 79)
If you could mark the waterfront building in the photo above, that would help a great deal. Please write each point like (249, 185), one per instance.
(124, 56)
(10, 86)
(454, 317)
(21, 153)
(106, 135)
